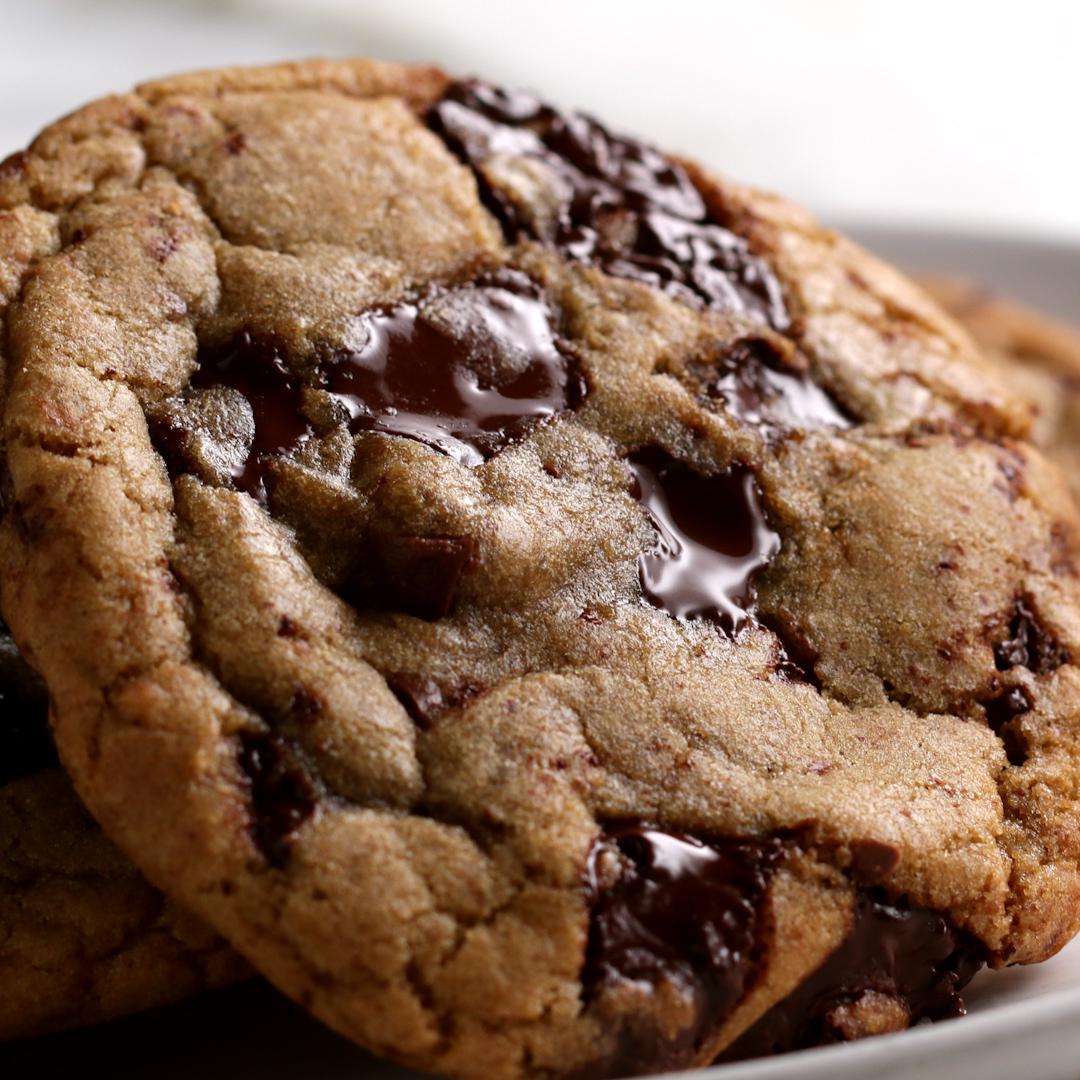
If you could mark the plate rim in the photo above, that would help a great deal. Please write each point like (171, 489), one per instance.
(1028, 1019)
(1005, 235)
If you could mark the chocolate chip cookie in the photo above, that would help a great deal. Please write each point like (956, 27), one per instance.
(83, 937)
(1036, 355)
(556, 611)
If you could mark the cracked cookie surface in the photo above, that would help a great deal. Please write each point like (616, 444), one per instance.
(719, 574)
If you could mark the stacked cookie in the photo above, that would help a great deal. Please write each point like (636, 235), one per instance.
(1038, 357)
(85, 937)
(550, 610)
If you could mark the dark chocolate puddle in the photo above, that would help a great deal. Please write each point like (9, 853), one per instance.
(679, 910)
(712, 538)
(609, 200)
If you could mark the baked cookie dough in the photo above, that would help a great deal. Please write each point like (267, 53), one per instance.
(554, 610)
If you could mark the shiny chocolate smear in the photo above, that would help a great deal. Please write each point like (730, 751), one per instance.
(755, 387)
(25, 743)
(678, 911)
(466, 371)
(607, 200)
(712, 538)
(911, 955)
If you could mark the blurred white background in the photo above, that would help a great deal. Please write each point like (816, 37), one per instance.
(936, 112)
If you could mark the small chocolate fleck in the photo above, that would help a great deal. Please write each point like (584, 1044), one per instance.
(873, 860)
(1011, 466)
(667, 907)
(1029, 643)
(235, 143)
(1064, 542)
(282, 795)
(25, 742)
(160, 247)
(910, 955)
(757, 385)
(420, 695)
(712, 539)
(612, 200)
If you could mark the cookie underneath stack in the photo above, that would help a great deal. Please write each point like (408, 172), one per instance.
(1037, 356)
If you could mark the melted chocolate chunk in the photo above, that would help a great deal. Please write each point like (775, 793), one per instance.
(796, 659)
(756, 386)
(873, 860)
(1007, 706)
(912, 957)
(679, 911)
(608, 199)
(421, 696)
(467, 371)
(713, 538)
(282, 796)
(257, 371)
(1029, 644)
(25, 743)
(424, 699)
(1001, 714)
(418, 575)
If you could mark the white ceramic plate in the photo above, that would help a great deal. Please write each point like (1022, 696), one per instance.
(1024, 1022)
